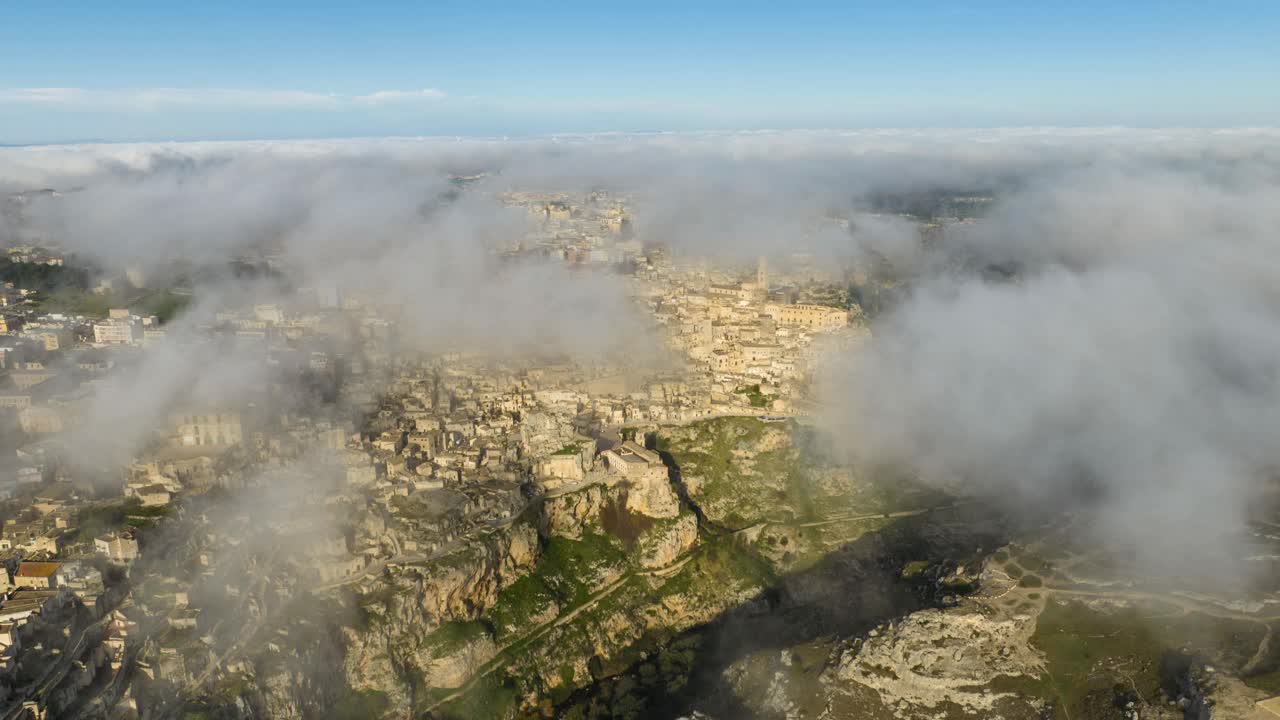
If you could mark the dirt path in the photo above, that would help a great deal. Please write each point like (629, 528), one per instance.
(1186, 604)
(1264, 648)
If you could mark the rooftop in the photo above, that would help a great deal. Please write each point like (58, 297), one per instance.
(37, 569)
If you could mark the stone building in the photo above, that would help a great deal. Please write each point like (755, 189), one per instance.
(38, 575)
(117, 331)
(219, 428)
(40, 420)
(649, 489)
(813, 317)
(117, 547)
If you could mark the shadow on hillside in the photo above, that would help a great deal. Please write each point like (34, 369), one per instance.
(850, 591)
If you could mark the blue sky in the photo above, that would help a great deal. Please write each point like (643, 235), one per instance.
(144, 70)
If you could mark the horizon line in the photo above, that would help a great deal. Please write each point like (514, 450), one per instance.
(616, 134)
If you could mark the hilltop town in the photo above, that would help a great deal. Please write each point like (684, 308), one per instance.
(120, 568)
(698, 361)
(360, 527)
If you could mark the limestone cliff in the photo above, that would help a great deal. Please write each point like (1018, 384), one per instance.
(662, 544)
(567, 514)
(417, 625)
(652, 496)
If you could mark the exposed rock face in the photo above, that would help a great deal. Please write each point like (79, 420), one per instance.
(416, 600)
(662, 544)
(279, 696)
(606, 631)
(651, 494)
(369, 665)
(566, 515)
(417, 627)
(454, 668)
(469, 581)
(936, 658)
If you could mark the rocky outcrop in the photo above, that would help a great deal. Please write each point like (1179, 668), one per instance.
(566, 515)
(370, 664)
(400, 615)
(665, 542)
(278, 692)
(455, 666)
(933, 659)
(653, 496)
(419, 628)
(610, 631)
(462, 585)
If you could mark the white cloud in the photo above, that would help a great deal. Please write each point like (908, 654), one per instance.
(149, 99)
(390, 96)
(169, 97)
(42, 96)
